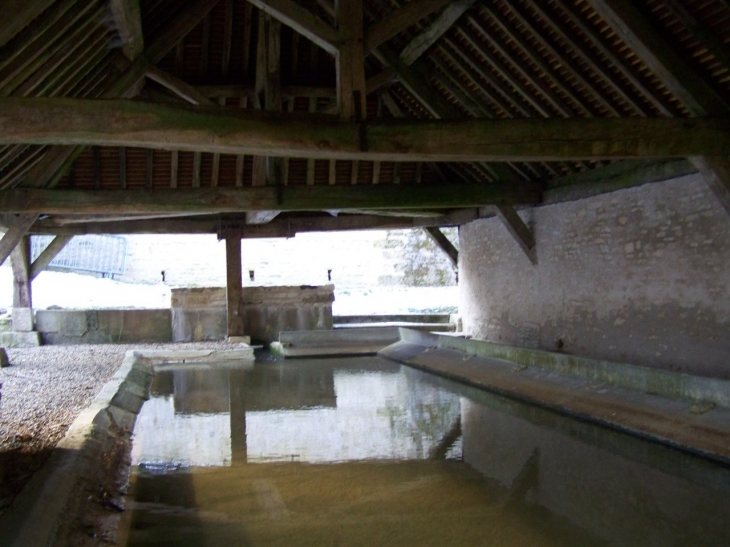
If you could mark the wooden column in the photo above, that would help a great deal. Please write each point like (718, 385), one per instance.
(234, 284)
(22, 295)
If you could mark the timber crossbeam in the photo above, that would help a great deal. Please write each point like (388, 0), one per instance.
(262, 198)
(236, 131)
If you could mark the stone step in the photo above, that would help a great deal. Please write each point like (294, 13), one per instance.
(393, 318)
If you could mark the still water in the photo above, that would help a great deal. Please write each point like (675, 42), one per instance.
(365, 452)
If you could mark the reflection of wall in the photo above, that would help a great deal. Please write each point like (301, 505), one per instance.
(161, 435)
(604, 493)
(378, 416)
(282, 387)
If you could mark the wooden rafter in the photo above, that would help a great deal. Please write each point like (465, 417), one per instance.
(16, 14)
(421, 43)
(226, 131)
(302, 21)
(49, 170)
(699, 96)
(399, 20)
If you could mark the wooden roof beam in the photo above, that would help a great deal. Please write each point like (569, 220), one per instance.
(234, 131)
(283, 227)
(222, 200)
(302, 21)
(128, 21)
(399, 20)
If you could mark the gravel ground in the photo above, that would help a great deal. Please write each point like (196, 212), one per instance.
(43, 391)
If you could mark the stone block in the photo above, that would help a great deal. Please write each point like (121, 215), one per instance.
(14, 339)
(22, 319)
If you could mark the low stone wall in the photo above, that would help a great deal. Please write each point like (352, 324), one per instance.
(63, 327)
(200, 314)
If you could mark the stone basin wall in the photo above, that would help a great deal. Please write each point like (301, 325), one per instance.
(200, 314)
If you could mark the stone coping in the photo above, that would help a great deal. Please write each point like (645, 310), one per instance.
(650, 380)
(68, 500)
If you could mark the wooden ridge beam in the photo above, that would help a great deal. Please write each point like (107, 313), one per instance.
(444, 244)
(48, 254)
(234, 131)
(399, 20)
(128, 21)
(302, 21)
(264, 198)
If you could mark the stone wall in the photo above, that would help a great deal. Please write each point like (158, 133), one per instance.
(641, 275)
(200, 314)
(63, 327)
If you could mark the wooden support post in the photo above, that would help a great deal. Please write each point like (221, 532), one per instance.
(22, 294)
(234, 284)
(49, 253)
(518, 230)
(351, 88)
(129, 26)
(444, 244)
(15, 233)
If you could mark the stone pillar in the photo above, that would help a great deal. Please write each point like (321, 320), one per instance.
(234, 285)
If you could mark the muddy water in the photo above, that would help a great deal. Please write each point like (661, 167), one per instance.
(363, 452)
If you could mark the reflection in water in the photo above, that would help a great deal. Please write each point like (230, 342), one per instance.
(365, 452)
